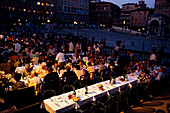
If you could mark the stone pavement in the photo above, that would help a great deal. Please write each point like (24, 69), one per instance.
(155, 103)
(112, 37)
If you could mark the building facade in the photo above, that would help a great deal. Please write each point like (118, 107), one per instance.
(139, 18)
(135, 16)
(125, 14)
(43, 11)
(162, 6)
(159, 22)
(104, 13)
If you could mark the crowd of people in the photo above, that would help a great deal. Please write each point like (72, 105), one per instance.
(85, 59)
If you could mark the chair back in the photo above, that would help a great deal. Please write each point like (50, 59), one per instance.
(84, 80)
(97, 79)
(70, 80)
(77, 84)
(54, 85)
(67, 88)
(40, 87)
(48, 93)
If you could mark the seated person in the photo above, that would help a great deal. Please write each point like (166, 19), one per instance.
(79, 72)
(55, 66)
(27, 70)
(16, 81)
(34, 79)
(90, 68)
(101, 67)
(69, 63)
(69, 75)
(81, 64)
(42, 69)
(51, 76)
(90, 60)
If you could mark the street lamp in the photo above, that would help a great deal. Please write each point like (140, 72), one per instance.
(19, 20)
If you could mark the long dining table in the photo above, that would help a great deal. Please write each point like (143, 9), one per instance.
(62, 103)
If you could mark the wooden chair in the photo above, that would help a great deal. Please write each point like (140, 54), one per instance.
(48, 93)
(97, 79)
(67, 88)
(77, 84)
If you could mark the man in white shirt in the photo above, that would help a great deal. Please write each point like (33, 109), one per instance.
(153, 56)
(17, 47)
(61, 59)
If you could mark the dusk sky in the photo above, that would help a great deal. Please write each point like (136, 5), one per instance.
(150, 3)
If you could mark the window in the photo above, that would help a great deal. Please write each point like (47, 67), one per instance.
(47, 4)
(38, 3)
(136, 18)
(24, 10)
(47, 12)
(34, 11)
(52, 5)
(42, 4)
(29, 11)
(13, 8)
(9, 8)
(51, 13)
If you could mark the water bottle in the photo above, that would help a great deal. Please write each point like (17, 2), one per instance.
(114, 80)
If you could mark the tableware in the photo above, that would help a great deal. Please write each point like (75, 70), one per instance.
(76, 99)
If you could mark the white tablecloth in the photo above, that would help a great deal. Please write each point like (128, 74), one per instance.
(61, 103)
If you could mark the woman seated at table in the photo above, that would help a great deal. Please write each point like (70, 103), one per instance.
(27, 70)
(42, 69)
(16, 81)
(91, 70)
(79, 72)
(69, 75)
(34, 79)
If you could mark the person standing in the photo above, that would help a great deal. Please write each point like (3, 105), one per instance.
(60, 58)
(71, 47)
(123, 45)
(17, 47)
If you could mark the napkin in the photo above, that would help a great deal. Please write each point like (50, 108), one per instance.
(108, 93)
(94, 99)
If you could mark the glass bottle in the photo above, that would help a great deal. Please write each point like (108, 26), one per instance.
(86, 90)
(74, 92)
(114, 80)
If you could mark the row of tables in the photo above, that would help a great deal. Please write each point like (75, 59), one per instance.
(62, 103)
